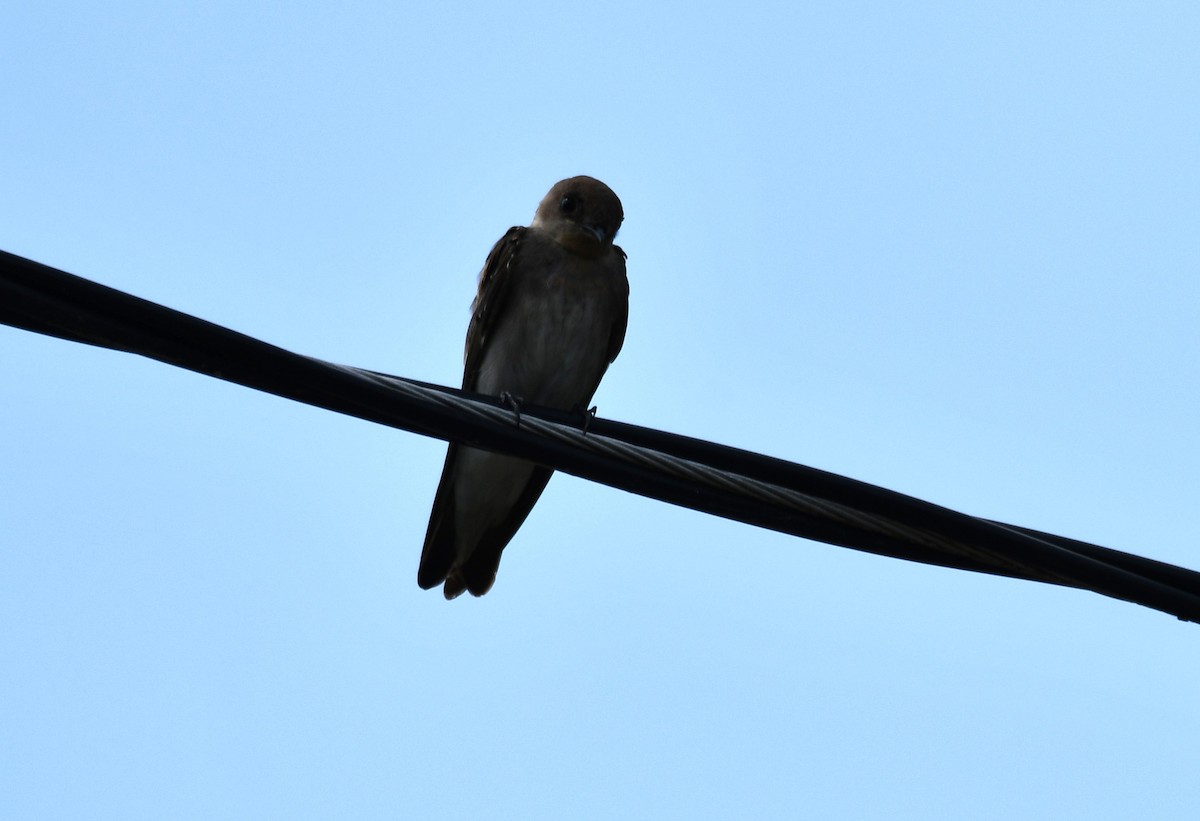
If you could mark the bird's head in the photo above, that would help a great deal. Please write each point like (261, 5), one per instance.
(581, 213)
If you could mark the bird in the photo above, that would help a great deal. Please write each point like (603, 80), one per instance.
(549, 317)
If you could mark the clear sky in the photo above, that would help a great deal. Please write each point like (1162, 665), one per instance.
(950, 250)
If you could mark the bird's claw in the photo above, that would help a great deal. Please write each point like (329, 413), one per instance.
(514, 403)
(588, 415)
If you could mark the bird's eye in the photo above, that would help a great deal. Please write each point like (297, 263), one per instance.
(568, 204)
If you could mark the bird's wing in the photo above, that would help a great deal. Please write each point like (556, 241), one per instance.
(617, 339)
(495, 283)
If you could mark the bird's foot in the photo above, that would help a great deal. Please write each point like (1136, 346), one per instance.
(588, 415)
(514, 403)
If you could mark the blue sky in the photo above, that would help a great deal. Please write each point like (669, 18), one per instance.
(949, 250)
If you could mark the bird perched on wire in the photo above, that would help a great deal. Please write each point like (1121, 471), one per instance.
(548, 319)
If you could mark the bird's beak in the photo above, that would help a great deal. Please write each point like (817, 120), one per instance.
(596, 231)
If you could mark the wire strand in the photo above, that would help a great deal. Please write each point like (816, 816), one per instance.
(705, 476)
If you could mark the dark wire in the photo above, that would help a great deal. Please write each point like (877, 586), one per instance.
(704, 476)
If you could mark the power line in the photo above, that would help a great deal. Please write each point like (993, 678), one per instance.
(704, 476)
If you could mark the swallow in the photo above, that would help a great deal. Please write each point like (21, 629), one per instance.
(548, 319)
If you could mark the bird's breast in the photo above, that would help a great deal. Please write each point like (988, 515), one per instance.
(551, 345)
